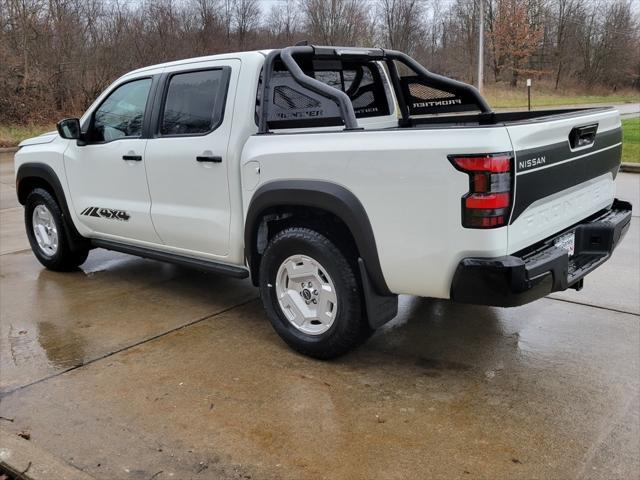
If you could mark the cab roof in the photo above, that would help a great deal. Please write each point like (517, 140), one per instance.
(251, 55)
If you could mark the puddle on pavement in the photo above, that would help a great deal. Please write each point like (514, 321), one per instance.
(63, 346)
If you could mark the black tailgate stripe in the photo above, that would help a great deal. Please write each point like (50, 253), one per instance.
(542, 182)
(559, 152)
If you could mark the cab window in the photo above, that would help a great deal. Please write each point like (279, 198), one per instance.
(194, 102)
(121, 114)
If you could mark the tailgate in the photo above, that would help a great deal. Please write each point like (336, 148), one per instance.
(565, 169)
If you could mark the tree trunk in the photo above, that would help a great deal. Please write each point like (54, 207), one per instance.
(558, 73)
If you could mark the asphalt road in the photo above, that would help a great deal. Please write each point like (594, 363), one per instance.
(629, 109)
(133, 369)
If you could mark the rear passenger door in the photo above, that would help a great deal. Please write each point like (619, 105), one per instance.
(187, 159)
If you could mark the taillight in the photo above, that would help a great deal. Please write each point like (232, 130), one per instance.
(488, 202)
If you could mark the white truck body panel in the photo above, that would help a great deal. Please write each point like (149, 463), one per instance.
(44, 138)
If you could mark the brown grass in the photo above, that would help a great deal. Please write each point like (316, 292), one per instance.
(12, 135)
(500, 96)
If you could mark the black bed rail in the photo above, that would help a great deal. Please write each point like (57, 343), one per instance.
(342, 100)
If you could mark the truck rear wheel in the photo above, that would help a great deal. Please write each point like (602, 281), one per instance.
(45, 229)
(312, 294)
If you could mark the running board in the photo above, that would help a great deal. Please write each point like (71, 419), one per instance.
(199, 263)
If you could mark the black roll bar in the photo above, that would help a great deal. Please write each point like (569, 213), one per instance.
(405, 119)
(439, 81)
(263, 125)
(341, 99)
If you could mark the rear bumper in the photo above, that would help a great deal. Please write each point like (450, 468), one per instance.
(521, 278)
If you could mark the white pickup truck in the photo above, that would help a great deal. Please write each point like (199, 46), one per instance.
(336, 178)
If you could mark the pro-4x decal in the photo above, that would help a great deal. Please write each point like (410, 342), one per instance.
(109, 213)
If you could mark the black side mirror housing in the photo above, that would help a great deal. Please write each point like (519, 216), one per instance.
(69, 128)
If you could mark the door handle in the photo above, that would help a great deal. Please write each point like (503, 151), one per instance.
(132, 158)
(209, 158)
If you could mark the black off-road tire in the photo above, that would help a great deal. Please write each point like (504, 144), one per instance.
(64, 259)
(349, 328)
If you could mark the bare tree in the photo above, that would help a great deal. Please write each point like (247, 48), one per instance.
(283, 23)
(402, 23)
(613, 51)
(246, 14)
(337, 22)
(209, 25)
(565, 12)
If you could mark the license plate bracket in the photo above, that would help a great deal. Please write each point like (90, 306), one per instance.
(567, 242)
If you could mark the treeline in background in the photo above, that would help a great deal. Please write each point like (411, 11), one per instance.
(56, 56)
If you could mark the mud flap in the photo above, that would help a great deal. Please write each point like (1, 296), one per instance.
(380, 308)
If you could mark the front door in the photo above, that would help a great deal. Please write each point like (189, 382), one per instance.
(187, 161)
(107, 176)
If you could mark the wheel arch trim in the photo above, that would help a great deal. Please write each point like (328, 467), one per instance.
(42, 171)
(322, 195)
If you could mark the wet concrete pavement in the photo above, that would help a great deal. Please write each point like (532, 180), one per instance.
(131, 368)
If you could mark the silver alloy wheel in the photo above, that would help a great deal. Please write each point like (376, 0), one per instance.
(45, 230)
(306, 294)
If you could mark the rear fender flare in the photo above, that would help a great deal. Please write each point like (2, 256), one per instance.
(327, 196)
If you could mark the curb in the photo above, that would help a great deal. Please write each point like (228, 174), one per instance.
(8, 149)
(26, 461)
(630, 167)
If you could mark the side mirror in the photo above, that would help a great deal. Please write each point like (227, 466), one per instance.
(69, 128)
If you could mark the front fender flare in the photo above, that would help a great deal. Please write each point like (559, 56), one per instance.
(44, 172)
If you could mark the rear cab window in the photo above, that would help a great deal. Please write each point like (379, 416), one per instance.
(294, 106)
(194, 102)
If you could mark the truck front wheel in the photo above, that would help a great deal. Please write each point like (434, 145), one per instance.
(311, 294)
(45, 230)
